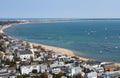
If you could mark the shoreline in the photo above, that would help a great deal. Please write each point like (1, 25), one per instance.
(60, 50)
(47, 47)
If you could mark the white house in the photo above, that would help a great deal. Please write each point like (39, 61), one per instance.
(43, 68)
(9, 56)
(113, 74)
(56, 70)
(4, 73)
(32, 49)
(42, 55)
(6, 43)
(25, 55)
(99, 69)
(64, 58)
(29, 69)
(92, 75)
(57, 64)
(37, 59)
(74, 70)
(56, 54)
(63, 77)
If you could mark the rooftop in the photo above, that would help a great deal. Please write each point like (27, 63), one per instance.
(25, 52)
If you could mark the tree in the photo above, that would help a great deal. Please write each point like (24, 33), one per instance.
(1, 55)
(39, 47)
(31, 59)
(37, 77)
(42, 49)
(7, 62)
(2, 47)
(69, 77)
(23, 76)
(1, 65)
(1, 43)
(86, 70)
(16, 50)
(43, 75)
(79, 76)
(34, 71)
(16, 58)
(1, 37)
(59, 75)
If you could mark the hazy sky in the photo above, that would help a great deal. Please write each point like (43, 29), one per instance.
(59, 8)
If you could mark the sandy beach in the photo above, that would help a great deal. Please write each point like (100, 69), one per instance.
(56, 49)
(4, 27)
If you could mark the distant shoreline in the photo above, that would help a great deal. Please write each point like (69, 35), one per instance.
(56, 49)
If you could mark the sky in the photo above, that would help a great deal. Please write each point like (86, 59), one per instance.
(59, 8)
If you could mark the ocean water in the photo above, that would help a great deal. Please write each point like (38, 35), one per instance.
(96, 39)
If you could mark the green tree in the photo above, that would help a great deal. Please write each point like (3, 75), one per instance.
(1, 55)
(78, 76)
(2, 47)
(59, 75)
(42, 49)
(7, 62)
(23, 76)
(34, 71)
(69, 77)
(31, 59)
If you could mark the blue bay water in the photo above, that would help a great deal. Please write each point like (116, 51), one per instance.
(96, 39)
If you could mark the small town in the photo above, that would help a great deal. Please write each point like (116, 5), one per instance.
(20, 59)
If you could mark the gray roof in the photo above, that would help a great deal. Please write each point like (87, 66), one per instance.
(3, 70)
(25, 52)
(90, 62)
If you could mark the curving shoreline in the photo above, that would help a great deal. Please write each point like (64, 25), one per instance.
(47, 47)
(61, 50)
(56, 49)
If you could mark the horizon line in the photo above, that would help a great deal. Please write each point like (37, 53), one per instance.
(59, 18)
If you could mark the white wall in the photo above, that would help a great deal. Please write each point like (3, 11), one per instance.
(28, 69)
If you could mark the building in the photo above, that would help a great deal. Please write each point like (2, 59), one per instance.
(91, 75)
(4, 73)
(9, 56)
(112, 74)
(29, 69)
(12, 70)
(25, 55)
(90, 72)
(57, 64)
(43, 68)
(74, 70)
(93, 63)
(109, 67)
(56, 70)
